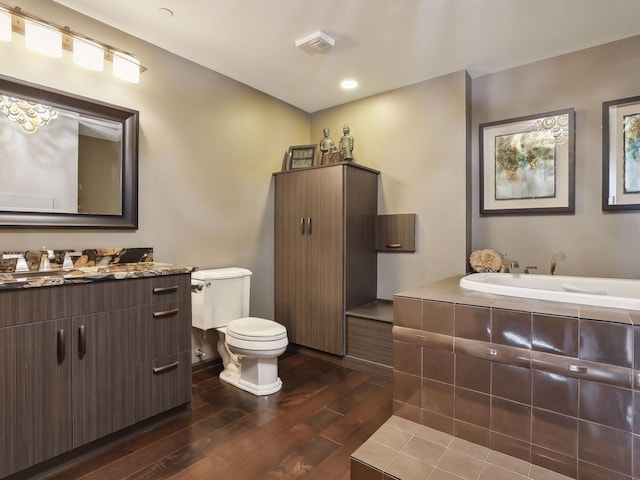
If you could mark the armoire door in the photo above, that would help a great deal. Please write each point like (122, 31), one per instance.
(291, 256)
(325, 258)
(309, 257)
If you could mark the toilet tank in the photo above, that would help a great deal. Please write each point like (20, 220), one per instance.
(219, 296)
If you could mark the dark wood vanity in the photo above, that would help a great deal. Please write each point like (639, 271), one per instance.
(81, 361)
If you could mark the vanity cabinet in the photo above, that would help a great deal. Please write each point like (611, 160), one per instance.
(104, 373)
(325, 258)
(164, 346)
(35, 392)
(73, 362)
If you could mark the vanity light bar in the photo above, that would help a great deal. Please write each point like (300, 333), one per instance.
(87, 52)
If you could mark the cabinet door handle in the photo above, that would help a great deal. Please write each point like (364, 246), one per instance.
(165, 368)
(394, 245)
(302, 226)
(309, 225)
(160, 290)
(61, 346)
(166, 313)
(82, 341)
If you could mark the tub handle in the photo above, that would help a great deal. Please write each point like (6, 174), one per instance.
(492, 352)
(578, 369)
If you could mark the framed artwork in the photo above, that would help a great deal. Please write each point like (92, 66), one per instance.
(621, 154)
(300, 156)
(527, 165)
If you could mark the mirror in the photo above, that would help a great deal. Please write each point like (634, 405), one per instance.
(65, 160)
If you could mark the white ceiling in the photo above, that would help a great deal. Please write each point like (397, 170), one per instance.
(385, 44)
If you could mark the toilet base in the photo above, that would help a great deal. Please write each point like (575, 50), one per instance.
(257, 376)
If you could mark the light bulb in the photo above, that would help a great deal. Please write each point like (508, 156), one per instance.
(5, 27)
(88, 54)
(43, 39)
(126, 67)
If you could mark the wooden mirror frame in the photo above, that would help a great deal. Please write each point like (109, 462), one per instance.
(128, 218)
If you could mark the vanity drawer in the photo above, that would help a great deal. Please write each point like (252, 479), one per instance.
(28, 305)
(105, 296)
(163, 383)
(163, 330)
(167, 288)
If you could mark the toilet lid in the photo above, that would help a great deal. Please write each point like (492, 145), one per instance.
(256, 329)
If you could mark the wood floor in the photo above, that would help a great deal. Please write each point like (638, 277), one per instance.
(308, 430)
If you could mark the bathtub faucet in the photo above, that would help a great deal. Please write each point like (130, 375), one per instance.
(508, 265)
(555, 259)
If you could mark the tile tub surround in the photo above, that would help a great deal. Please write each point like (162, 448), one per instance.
(402, 449)
(554, 384)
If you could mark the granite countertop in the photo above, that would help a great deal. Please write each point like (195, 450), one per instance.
(86, 274)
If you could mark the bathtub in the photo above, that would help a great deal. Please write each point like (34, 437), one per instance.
(600, 292)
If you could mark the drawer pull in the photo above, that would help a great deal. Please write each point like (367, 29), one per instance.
(394, 245)
(61, 346)
(165, 368)
(578, 369)
(492, 352)
(160, 290)
(166, 313)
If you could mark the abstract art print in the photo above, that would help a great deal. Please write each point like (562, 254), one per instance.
(621, 154)
(527, 164)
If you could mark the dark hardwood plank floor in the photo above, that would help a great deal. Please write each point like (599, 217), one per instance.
(307, 430)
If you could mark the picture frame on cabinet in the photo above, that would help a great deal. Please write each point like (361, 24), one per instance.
(621, 154)
(299, 156)
(527, 165)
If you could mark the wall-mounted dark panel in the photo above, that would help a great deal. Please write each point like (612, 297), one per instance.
(396, 233)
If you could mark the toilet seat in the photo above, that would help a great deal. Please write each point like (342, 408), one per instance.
(253, 329)
(251, 336)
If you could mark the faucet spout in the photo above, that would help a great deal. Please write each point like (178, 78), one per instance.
(508, 265)
(555, 259)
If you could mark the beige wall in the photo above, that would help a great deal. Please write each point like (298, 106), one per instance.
(596, 243)
(417, 138)
(208, 147)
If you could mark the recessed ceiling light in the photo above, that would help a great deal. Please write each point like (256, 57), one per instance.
(349, 84)
(165, 12)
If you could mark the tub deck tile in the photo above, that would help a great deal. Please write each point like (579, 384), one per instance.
(427, 454)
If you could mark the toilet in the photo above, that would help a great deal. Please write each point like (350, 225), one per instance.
(249, 346)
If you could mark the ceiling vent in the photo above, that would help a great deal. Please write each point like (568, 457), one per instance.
(316, 41)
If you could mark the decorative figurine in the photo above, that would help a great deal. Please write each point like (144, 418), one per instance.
(326, 144)
(346, 144)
